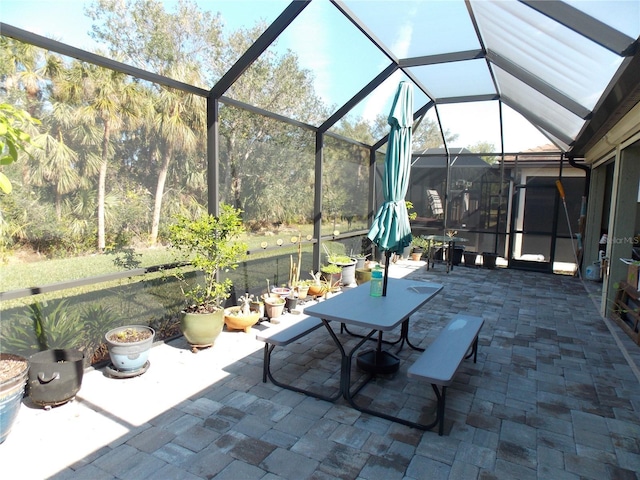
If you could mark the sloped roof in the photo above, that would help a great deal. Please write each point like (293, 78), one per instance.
(437, 157)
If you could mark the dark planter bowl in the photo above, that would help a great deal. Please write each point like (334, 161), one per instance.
(55, 376)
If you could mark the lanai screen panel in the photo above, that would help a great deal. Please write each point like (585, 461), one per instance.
(378, 105)
(325, 61)
(215, 52)
(465, 120)
(623, 15)
(345, 186)
(266, 169)
(95, 130)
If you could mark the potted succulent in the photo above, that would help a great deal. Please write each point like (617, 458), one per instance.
(242, 317)
(331, 274)
(212, 244)
(129, 347)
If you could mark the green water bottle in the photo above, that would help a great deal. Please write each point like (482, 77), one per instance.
(376, 282)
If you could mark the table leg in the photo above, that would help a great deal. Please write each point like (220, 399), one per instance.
(349, 394)
(404, 337)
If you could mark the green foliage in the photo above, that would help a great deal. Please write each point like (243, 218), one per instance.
(97, 320)
(13, 138)
(211, 245)
(412, 214)
(420, 242)
(44, 327)
(331, 269)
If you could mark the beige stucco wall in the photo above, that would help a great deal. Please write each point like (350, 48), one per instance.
(616, 146)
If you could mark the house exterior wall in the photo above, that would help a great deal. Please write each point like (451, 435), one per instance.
(622, 144)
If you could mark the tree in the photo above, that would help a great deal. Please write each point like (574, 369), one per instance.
(178, 116)
(108, 99)
(426, 135)
(56, 161)
(179, 45)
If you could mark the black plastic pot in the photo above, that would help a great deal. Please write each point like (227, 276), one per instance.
(456, 256)
(470, 259)
(290, 303)
(55, 376)
(489, 260)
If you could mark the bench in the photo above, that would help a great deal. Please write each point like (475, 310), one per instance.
(440, 361)
(281, 335)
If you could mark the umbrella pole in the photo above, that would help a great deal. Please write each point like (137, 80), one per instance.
(386, 273)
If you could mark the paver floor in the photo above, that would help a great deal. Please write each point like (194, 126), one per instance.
(555, 394)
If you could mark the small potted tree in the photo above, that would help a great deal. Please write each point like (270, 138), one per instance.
(211, 244)
(419, 245)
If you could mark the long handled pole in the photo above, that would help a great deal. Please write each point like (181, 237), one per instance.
(566, 212)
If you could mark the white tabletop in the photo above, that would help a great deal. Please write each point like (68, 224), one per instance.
(357, 307)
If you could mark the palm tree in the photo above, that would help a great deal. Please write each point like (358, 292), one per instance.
(179, 121)
(56, 161)
(109, 100)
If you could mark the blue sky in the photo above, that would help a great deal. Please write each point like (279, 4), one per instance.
(325, 42)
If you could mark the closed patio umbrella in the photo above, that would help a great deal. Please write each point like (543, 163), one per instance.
(391, 230)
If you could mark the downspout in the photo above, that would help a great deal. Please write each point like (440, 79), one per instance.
(587, 174)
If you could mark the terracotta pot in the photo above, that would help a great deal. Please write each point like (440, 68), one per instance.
(236, 321)
(316, 290)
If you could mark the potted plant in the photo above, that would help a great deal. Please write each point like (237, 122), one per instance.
(212, 244)
(346, 264)
(129, 347)
(331, 274)
(241, 317)
(274, 306)
(54, 331)
(489, 260)
(317, 286)
(13, 378)
(419, 246)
